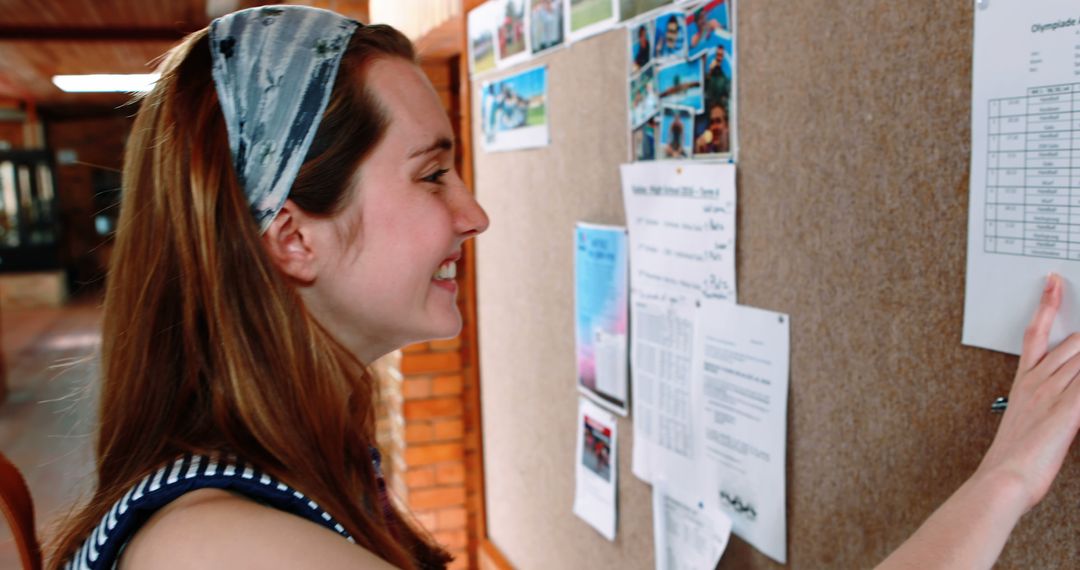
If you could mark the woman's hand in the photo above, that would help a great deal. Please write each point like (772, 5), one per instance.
(970, 529)
(1044, 407)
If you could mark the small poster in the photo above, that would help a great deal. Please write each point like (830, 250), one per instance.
(596, 473)
(601, 314)
(514, 111)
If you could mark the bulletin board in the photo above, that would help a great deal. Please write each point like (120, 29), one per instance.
(853, 172)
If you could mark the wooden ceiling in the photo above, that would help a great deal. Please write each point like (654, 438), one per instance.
(42, 38)
(39, 39)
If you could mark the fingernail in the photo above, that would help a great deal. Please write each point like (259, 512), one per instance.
(1050, 281)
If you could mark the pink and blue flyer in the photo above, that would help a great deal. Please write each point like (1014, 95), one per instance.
(601, 314)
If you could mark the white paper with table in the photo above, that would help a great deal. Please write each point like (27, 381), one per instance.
(1024, 218)
(681, 222)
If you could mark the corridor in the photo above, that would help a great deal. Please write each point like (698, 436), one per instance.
(47, 420)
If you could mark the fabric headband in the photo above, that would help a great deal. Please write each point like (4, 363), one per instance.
(274, 68)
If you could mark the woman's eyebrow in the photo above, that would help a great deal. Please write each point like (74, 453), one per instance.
(441, 143)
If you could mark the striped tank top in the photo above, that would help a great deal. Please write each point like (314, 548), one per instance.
(102, 548)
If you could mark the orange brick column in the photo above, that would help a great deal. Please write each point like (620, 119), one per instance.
(435, 442)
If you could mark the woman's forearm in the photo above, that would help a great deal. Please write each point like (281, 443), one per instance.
(968, 530)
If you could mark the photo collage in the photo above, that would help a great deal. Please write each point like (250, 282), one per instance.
(681, 69)
(682, 74)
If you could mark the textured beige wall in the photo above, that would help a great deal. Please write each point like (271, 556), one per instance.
(854, 128)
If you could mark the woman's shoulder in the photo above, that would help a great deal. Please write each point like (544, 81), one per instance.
(216, 528)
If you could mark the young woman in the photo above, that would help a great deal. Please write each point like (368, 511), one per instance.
(291, 212)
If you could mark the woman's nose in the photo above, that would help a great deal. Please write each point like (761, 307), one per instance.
(471, 218)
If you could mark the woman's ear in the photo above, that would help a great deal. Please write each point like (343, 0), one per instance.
(290, 243)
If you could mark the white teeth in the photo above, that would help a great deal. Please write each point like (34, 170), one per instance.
(447, 270)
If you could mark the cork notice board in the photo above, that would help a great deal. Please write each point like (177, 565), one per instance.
(854, 134)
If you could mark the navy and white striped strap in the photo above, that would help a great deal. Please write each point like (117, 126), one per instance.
(101, 550)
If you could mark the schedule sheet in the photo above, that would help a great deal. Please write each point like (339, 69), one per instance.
(1024, 217)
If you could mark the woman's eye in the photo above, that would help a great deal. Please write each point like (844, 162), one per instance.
(436, 177)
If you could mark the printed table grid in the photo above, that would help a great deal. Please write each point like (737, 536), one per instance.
(1032, 185)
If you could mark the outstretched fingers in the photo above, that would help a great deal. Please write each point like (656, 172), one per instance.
(1037, 334)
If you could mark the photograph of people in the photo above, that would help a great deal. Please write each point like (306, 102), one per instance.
(630, 9)
(482, 23)
(711, 128)
(644, 140)
(676, 132)
(644, 101)
(513, 103)
(670, 39)
(640, 46)
(706, 26)
(680, 84)
(546, 24)
(717, 78)
(585, 13)
(512, 29)
(596, 448)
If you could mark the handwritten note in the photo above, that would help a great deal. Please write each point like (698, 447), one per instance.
(681, 219)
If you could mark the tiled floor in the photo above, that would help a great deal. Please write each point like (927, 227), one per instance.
(46, 424)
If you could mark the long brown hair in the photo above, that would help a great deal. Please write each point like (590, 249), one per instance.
(205, 345)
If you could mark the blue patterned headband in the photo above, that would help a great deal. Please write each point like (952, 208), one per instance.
(274, 68)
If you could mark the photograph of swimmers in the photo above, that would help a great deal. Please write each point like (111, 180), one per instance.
(718, 79)
(546, 24)
(512, 29)
(670, 40)
(596, 452)
(629, 9)
(644, 100)
(644, 139)
(676, 132)
(640, 46)
(681, 84)
(707, 26)
(711, 131)
(515, 102)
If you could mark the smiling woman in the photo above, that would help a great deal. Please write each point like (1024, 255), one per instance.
(290, 212)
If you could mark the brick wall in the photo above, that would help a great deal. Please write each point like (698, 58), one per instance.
(434, 457)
